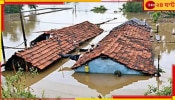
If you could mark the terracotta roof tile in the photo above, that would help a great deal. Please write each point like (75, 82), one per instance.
(128, 44)
(45, 52)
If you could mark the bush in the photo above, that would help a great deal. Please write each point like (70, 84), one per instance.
(165, 91)
(15, 86)
(100, 9)
(156, 16)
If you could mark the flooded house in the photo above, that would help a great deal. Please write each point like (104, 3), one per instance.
(125, 50)
(45, 51)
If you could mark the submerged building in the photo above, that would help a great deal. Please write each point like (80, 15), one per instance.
(45, 49)
(126, 49)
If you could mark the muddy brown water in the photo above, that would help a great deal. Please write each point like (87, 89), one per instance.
(104, 84)
(66, 83)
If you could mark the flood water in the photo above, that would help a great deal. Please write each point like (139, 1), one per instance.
(66, 83)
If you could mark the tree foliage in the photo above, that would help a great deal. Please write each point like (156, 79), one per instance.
(11, 8)
(15, 8)
(100, 9)
(133, 7)
(156, 16)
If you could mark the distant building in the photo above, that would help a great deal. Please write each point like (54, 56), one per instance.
(126, 49)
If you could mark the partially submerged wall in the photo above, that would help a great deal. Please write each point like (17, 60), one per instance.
(107, 65)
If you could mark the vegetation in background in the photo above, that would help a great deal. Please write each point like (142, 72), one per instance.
(165, 91)
(14, 86)
(100, 9)
(168, 14)
(163, 14)
(155, 16)
(138, 7)
(15, 8)
(133, 7)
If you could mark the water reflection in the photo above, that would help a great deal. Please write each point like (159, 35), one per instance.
(105, 83)
(143, 15)
(30, 24)
(167, 45)
(101, 12)
(159, 82)
(160, 48)
(29, 80)
(13, 26)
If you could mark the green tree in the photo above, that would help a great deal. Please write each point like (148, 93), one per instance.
(15, 8)
(133, 7)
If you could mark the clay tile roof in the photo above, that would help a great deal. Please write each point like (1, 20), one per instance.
(46, 52)
(128, 44)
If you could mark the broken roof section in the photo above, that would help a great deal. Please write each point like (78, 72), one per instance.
(128, 44)
(62, 41)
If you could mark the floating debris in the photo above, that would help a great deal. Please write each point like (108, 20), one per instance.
(157, 36)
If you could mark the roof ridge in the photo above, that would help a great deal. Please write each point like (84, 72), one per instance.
(132, 21)
(123, 44)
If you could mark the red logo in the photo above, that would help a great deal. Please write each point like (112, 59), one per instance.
(150, 4)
